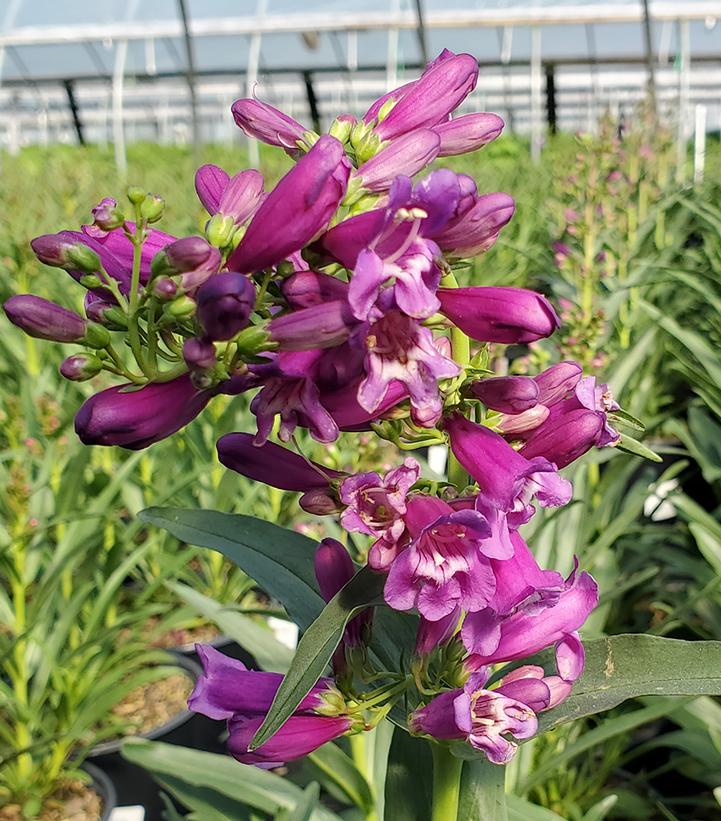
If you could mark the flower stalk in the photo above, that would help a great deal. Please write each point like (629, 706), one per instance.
(447, 770)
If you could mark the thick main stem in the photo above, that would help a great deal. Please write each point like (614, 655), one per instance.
(446, 784)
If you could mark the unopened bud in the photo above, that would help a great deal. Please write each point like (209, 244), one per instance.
(90, 281)
(285, 268)
(386, 108)
(152, 208)
(164, 289)
(199, 354)
(310, 138)
(187, 254)
(80, 367)
(252, 340)
(83, 258)
(135, 194)
(43, 319)
(219, 230)
(341, 127)
(96, 336)
(106, 215)
(181, 308)
(115, 319)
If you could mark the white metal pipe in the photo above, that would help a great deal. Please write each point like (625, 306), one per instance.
(699, 148)
(536, 95)
(684, 79)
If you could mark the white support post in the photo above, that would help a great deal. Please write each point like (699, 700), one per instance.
(699, 147)
(684, 81)
(251, 78)
(121, 160)
(536, 95)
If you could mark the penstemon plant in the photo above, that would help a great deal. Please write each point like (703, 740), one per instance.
(334, 298)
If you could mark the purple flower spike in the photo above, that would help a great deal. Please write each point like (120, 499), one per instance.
(507, 394)
(405, 156)
(296, 210)
(267, 124)
(507, 315)
(468, 133)
(475, 229)
(139, 418)
(225, 303)
(441, 88)
(442, 568)
(236, 197)
(43, 319)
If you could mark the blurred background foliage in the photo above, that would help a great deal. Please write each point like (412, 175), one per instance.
(631, 256)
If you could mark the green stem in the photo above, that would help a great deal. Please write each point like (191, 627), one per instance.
(133, 331)
(358, 753)
(446, 784)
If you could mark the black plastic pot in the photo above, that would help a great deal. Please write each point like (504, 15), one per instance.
(104, 787)
(133, 784)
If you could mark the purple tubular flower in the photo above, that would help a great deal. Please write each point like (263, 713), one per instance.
(433, 634)
(299, 736)
(225, 303)
(468, 133)
(557, 381)
(267, 124)
(443, 567)
(139, 418)
(532, 609)
(321, 326)
(406, 156)
(482, 717)
(194, 258)
(43, 319)
(441, 88)
(507, 394)
(278, 467)
(236, 197)
(476, 228)
(507, 315)
(80, 367)
(296, 210)
(517, 424)
(376, 506)
(400, 349)
(227, 688)
(342, 404)
(306, 289)
(199, 354)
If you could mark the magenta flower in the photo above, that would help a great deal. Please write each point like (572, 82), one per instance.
(399, 349)
(530, 610)
(476, 225)
(376, 506)
(507, 394)
(405, 156)
(433, 634)
(443, 566)
(296, 210)
(507, 481)
(484, 718)
(191, 257)
(237, 197)
(507, 315)
(138, 418)
(267, 124)
(429, 100)
(322, 326)
(228, 690)
(470, 132)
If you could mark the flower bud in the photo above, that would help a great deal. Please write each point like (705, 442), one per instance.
(219, 230)
(43, 319)
(164, 289)
(225, 303)
(187, 254)
(524, 422)
(52, 249)
(333, 567)
(152, 208)
(199, 354)
(181, 308)
(565, 437)
(80, 367)
(555, 382)
(507, 394)
(90, 281)
(341, 127)
(106, 215)
(96, 336)
(135, 194)
(82, 258)
(321, 326)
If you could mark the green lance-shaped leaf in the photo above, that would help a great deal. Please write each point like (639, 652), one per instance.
(280, 560)
(629, 666)
(316, 647)
(631, 445)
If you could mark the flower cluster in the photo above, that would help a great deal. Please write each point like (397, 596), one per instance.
(333, 298)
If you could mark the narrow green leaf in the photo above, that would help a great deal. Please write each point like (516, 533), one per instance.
(483, 795)
(629, 666)
(625, 418)
(601, 808)
(340, 768)
(279, 560)
(409, 779)
(303, 810)
(630, 445)
(316, 647)
(256, 639)
(519, 809)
